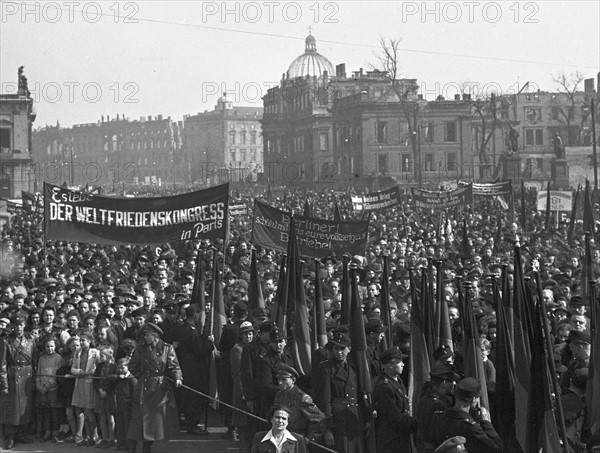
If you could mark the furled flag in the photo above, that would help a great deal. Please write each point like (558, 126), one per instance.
(255, 296)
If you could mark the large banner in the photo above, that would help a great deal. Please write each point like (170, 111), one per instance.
(70, 215)
(376, 200)
(492, 189)
(317, 238)
(559, 200)
(441, 200)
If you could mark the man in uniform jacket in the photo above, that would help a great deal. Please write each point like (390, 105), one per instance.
(468, 420)
(375, 331)
(194, 354)
(154, 413)
(336, 395)
(19, 357)
(436, 399)
(393, 423)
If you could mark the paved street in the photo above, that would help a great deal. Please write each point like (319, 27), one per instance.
(184, 443)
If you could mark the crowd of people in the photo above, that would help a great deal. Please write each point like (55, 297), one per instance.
(95, 339)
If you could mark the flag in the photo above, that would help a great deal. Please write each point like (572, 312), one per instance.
(284, 196)
(307, 209)
(358, 338)
(511, 214)
(418, 353)
(346, 292)
(427, 315)
(218, 317)
(319, 328)
(445, 331)
(465, 249)
(523, 214)
(588, 212)
(300, 343)
(499, 235)
(473, 361)
(587, 275)
(548, 199)
(385, 305)
(541, 429)
(504, 362)
(336, 212)
(522, 350)
(592, 397)
(281, 291)
(255, 296)
(573, 217)
(198, 291)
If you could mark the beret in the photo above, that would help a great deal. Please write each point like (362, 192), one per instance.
(442, 352)
(240, 309)
(276, 334)
(341, 339)
(375, 326)
(149, 326)
(246, 327)
(579, 301)
(143, 311)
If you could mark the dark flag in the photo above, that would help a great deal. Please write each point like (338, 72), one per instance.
(522, 350)
(473, 361)
(29, 201)
(548, 199)
(255, 296)
(499, 235)
(427, 314)
(307, 209)
(385, 305)
(592, 397)
(512, 214)
(465, 249)
(346, 292)
(336, 212)
(281, 291)
(505, 364)
(573, 217)
(300, 343)
(285, 196)
(217, 317)
(418, 353)
(445, 332)
(359, 352)
(523, 214)
(198, 291)
(319, 329)
(588, 212)
(542, 432)
(587, 274)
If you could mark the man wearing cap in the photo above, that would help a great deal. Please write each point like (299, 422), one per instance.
(467, 419)
(306, 419)
(436, 399)
(393, 423)
(580, 347)
(154, 413)
(260, 393)
(375, 331)
(336, 395)
(18, 362)
(194, 352)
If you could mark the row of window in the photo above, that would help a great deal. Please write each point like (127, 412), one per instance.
(242, 134)
(407, 164)
(427, 131)
(243, 155)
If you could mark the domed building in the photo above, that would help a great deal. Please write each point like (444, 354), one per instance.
(310, 63)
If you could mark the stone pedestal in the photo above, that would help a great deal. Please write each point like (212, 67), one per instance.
(512, 168)
(560, 174)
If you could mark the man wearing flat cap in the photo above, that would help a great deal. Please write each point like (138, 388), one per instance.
(394, 425)
(306, 418)
(436, 399)
(468, 420)
(336, 395)
(375, 331)
(16, 386)
(154, 413)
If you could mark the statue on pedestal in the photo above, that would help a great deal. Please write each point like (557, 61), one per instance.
(513, 140)
(23, 89)
(559, 150)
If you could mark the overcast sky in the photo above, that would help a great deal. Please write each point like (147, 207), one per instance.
(175, 58)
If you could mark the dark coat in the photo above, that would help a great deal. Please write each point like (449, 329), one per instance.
(430, 409)
(154, 413)
(17, 369)
(481, 437)
(336, 395)
(288, 446)
(393, 424)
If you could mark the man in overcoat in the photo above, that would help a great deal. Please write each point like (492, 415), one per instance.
(154, 414)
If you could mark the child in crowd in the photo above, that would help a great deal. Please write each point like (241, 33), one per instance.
(65, 391)
(47, 389)
(85, 360)
(124, 389)
(105, 396)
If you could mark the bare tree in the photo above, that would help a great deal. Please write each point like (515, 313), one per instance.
(568, 88)
(389, 62)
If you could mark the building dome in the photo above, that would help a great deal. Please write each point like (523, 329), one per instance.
(311, 62)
